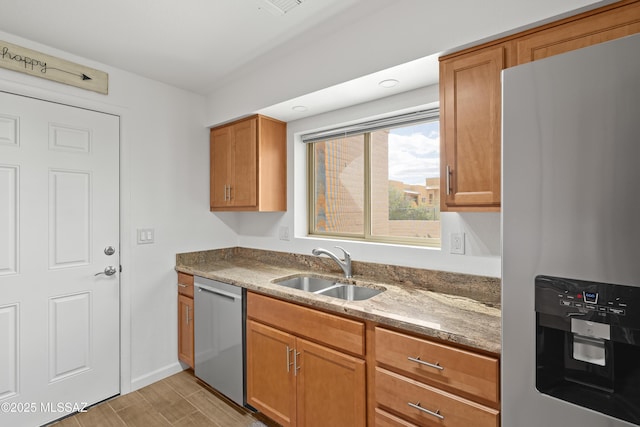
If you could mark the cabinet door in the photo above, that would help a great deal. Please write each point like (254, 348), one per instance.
(271, 384)
(331, 387)
(244, 162)
(185, 330)
(470, 113)
(220, 147)
(607, 25)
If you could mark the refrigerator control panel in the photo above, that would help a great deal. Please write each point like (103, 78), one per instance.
(601, 302)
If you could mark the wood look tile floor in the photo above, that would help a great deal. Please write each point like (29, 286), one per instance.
(179, 400)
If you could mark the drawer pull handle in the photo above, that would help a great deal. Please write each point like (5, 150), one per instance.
(422, 362)
(296, 367)
(182, 286)
(289, 362)
(420, 408)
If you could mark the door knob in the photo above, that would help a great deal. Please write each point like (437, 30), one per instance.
(108, 271)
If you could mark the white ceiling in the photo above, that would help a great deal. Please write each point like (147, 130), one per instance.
(201, 45)
(192, 44)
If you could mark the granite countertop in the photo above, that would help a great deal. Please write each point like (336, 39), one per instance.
(458, 308)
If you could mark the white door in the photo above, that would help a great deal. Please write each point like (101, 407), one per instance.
(59, 211)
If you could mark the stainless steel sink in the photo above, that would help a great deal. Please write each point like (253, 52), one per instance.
(350, 292)
(329, 287)
(307, 283)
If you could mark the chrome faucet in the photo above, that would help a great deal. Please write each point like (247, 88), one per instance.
(344, 265)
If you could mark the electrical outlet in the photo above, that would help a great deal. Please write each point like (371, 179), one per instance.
(284, 233)
(457, 243)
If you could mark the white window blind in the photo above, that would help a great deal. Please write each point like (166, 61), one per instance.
(373, 125)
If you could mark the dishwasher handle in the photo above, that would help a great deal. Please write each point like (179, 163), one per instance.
(218, 292)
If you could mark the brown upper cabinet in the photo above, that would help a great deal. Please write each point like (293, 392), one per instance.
(470, 136)
(470, 98)
(249, 165)
(578, 33)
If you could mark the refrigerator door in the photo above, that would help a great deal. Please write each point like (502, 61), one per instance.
(570, 202)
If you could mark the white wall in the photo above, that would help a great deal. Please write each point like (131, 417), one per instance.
(260, 230)
(164, 185)
(337, 51)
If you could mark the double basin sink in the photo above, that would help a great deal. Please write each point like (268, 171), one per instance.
(329, 287)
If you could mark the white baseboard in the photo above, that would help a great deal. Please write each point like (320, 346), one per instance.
(157, 375)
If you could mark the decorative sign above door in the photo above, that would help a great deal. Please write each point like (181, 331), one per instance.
(17, 58)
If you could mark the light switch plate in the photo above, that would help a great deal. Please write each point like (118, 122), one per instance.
(146, 235)
(457, 243)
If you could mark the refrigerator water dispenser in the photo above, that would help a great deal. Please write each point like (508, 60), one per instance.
(588, 344)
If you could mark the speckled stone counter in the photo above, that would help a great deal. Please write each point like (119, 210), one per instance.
(459, 308)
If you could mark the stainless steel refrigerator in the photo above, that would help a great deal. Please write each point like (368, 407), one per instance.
(571, 239)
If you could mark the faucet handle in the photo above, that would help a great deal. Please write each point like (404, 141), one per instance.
(347, 255)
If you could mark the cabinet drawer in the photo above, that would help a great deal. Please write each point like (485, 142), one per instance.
(335, 331)
(461, 371)
(398, 394)
(385, 419)
(185, 284)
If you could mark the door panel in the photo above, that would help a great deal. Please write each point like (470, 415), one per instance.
(8, 220)
(69, 218)
(9, 127)
(244, 191)
(69, 335)
(68, 138)
(471, 115)
(9, 351)
(59, 321)
(220, 152)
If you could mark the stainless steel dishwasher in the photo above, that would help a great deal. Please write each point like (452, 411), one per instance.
(219, 337)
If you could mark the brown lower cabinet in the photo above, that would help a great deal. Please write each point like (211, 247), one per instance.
(185, 319)
(306, 367)
(293, 375)
(425, 383)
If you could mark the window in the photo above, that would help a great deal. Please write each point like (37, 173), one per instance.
(378, 181)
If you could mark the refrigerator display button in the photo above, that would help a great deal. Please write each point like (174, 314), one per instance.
(591, 297)
(590, 307)
(565, 302)
(619, 311)
(602, 308)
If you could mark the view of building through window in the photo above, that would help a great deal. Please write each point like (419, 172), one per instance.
(400, 167)
(339, 186)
